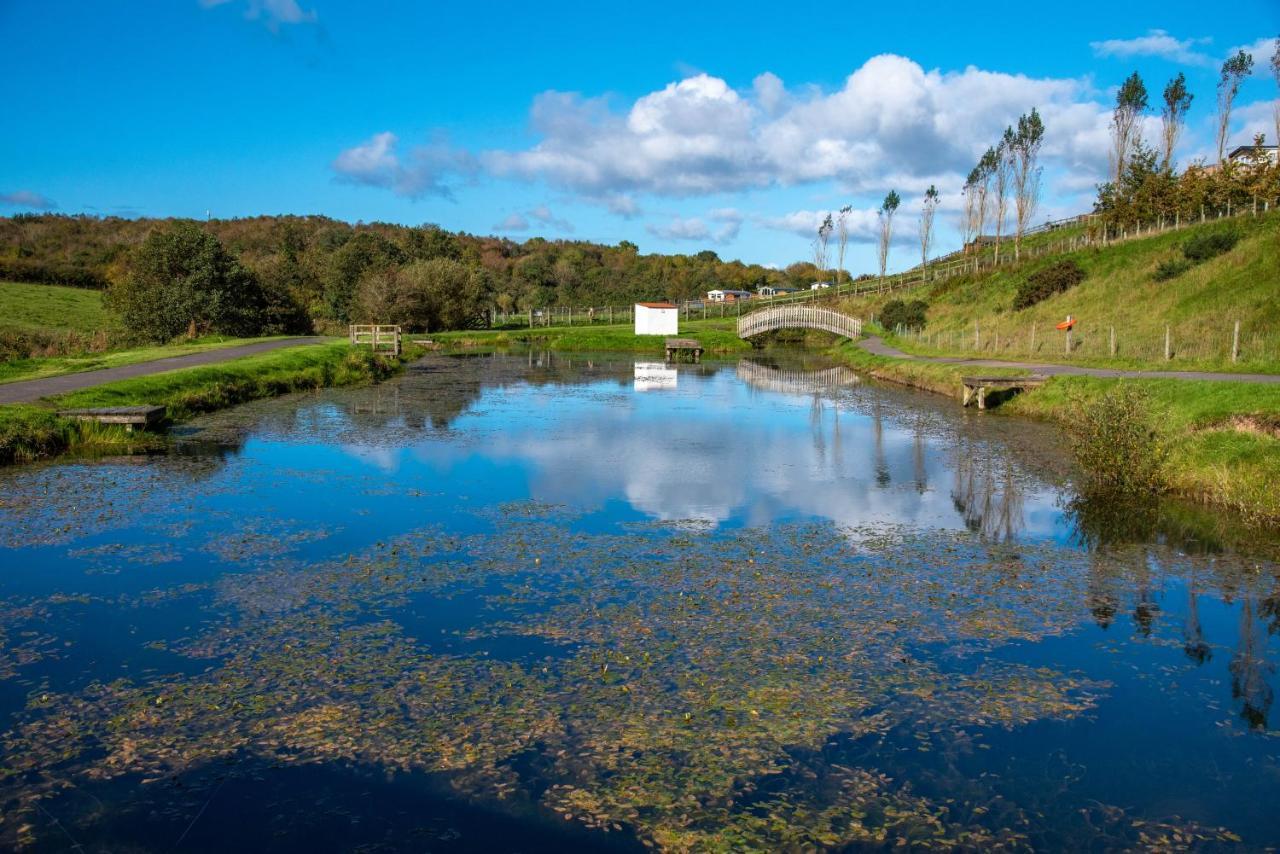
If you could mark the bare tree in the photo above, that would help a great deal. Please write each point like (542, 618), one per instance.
(1275, 72)
(1126, 132)
(1003, 174)
(1234, 71)
(842, 239)
(1173, 116)
(887, 209)
(1026, 173)
(969, 220)
(927, 211)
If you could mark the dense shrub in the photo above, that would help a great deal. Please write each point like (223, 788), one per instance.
(908, 314)
(1044, 283)
(182, 279)
(426, 296)
(50, 273)
(1116, 445)
(1202, 247)
(1171, 268)
(36, 343)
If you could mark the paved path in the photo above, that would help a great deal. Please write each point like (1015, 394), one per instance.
(27, 391)
(877, 347)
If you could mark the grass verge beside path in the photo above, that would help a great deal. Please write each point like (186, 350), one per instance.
(30, 432)
(56, 366)
(1223, 437)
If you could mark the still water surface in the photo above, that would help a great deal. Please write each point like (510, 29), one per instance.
(530, 602)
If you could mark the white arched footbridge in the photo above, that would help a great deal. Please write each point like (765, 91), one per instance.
(798, 317)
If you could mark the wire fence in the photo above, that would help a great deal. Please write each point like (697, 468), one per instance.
(1221, 344)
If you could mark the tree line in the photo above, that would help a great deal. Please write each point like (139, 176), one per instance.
(273, 274)
(1145, 185)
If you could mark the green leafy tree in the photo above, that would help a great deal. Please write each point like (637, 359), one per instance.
(426, 296)
(182, 279)
(1233, 73)
(887, 209)
(365, 252)
(1126, 128)
(1025, 147)
(1173, 116)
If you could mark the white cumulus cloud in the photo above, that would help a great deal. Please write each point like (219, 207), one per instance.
(27, 199)
(1156, 43)
(376, 162)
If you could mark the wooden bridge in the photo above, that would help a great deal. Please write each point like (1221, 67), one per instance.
(798, 317)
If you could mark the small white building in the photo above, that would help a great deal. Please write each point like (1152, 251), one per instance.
(773, 291)
(817, 286)
(657, 318)
(727, 295)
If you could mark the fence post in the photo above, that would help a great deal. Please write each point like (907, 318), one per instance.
(530, 318)
(1167, 342)
(1235, 344)
(1033, 338)
(976, 338)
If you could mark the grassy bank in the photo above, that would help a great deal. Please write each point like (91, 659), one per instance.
(718, 336)
(32, 432)
(1198, 308)
(16, 370)
(1223, 438)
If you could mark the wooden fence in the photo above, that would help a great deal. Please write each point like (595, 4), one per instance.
(384, 340)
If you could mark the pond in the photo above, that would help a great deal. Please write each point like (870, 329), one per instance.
(533, 601)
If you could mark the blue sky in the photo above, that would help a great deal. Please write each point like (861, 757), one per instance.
(676, 126)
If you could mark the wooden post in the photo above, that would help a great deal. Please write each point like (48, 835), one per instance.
(531, 318)
(976, 337)
(1113, 341)
(611, 315)
(1235, 344)
(1033, 338)
(1167, 342)
(1068, 337)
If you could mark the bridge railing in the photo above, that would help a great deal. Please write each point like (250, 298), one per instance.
(798, 317)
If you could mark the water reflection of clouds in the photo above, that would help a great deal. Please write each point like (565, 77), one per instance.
(718, 450)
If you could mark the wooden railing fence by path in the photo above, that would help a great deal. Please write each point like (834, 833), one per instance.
(778, 317)
(383, 339)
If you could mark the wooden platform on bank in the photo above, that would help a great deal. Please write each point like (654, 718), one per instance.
(130, 417)
(678, 346)
(976, 388)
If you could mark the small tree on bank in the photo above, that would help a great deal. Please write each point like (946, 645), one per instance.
(183, 280)
(887, 209)
(1173, 117)
(820, 244)
(426, 296)
(1026, 173)
(927, 212)
(1003, 165)
(1126, 131)
(842, 239)
(1234, 71)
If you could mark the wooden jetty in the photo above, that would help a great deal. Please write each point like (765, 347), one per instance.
(678, 346)
(130, 417)
(976, 388)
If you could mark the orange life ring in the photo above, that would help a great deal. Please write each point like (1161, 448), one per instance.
(1067, 324)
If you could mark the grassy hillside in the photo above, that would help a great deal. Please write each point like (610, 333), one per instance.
(1200, 307)
(51, 307)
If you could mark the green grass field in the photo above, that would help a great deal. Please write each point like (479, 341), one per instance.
(1199, 308)
(52, 307)
(717, 335)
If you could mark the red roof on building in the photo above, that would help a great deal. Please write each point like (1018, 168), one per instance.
(656, 304)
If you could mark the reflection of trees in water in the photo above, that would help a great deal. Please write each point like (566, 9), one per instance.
(1193, 642)
(1249, 670)
(987, 493)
